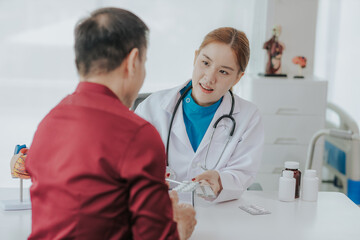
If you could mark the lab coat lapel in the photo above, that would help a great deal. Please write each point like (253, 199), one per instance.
(178, 128)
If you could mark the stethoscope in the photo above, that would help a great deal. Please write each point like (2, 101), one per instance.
(170, 172)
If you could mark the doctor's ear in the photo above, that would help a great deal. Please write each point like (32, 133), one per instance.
(240, 75)
(196, 55)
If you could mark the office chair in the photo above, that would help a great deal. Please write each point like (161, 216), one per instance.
(141, 97)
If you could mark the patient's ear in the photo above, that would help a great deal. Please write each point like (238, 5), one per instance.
(132, 62)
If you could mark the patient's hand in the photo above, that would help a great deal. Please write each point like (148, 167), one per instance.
(184, 215)
(212, 178)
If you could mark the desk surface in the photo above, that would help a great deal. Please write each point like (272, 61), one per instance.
(334, 216)
(14, 224)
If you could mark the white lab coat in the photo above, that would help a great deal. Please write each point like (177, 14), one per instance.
(241, 159)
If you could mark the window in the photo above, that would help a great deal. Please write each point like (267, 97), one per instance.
(337, 50)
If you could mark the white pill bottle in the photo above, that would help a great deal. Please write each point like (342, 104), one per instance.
(310, 186)
(287, 186)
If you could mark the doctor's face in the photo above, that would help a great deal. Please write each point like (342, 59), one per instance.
(215, 72)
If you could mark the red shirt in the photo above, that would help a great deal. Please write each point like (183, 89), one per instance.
(98, 172)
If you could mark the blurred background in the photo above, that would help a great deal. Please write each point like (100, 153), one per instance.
(37, 60)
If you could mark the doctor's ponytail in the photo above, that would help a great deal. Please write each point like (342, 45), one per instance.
(236, 39)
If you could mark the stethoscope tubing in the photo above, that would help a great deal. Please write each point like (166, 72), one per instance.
(172, 120)
(229, 116)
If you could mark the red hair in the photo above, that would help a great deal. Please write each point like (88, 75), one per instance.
(236, 39)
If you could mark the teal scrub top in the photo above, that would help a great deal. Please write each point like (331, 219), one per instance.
(197, 118)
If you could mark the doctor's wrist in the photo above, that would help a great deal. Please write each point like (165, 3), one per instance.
(219, 182)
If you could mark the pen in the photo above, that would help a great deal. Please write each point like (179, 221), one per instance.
(173, 181)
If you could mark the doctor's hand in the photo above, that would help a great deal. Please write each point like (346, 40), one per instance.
(184, 216)
(212, 178)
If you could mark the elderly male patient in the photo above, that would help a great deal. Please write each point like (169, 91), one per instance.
(97, 168)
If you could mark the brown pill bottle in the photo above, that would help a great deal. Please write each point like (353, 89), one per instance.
(294, 166)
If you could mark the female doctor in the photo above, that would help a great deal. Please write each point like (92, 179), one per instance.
(210, 134)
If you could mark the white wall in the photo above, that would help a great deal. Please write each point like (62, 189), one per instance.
(338, 51)
(36, 68)
(37, 61)
(36, 50)
(178, 27)
(298, 20)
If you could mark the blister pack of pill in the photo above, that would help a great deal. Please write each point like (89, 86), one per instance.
(186, 186)
(189, 186)
(254, 209)
(205, 191)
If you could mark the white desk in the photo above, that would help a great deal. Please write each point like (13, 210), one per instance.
(14, 225)
(334, 216)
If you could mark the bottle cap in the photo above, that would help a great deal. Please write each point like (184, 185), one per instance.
(288, 174)
(311, 173)
(292, 165)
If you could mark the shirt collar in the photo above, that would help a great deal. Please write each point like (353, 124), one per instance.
(173, 95)
(190, 105)
(95, 88)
